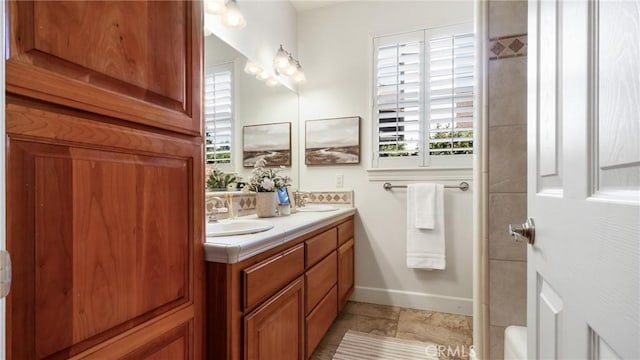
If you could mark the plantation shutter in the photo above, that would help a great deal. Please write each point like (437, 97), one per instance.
(398, 95)
(423, 94)
(218, 115)
(450, 92)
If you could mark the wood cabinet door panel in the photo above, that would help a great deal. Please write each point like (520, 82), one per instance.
(320, 320)
(320, 245)
(266, 277)
(345, 231)
(320, 279)
(346, 272)
(171, 345)
(101, 240)
(135, 60)
(275, 330)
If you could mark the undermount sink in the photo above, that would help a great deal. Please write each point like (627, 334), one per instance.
(237, 227)
(317, 208)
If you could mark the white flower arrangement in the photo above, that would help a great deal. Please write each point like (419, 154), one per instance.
(265, 179)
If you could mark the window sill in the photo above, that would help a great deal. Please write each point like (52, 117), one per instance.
(421, 174)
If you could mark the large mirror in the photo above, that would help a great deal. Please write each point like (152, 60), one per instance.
(235, 100)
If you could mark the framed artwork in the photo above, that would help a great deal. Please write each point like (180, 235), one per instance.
(332, 141)
(271, 142)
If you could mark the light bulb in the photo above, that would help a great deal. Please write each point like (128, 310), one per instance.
(232, 17)
(263, 75)
(272, 82)
(252, 69)
(299, 76)
(281, 61)
(214, 7)
(291, 70)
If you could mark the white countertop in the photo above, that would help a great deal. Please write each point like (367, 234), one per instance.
(233, 249)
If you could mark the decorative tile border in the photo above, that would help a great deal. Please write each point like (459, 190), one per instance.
(245, 203)
(242, 204)
(331, 197)
(508, 47)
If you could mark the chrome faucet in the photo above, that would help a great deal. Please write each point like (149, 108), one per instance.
(212, 210)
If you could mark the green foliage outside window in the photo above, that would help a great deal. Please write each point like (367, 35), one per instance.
(440, 148)
(221, 154)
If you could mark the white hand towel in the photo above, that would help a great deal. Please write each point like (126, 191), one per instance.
(426, 247)
(424, 197)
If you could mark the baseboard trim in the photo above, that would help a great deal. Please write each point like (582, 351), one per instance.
(414, 300)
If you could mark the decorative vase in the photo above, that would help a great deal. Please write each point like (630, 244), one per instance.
(266, 204)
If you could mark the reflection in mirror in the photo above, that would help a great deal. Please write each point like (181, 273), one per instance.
(234, 99)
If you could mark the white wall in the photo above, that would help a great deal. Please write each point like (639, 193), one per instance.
(335, 49)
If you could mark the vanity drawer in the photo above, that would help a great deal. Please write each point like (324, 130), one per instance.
(320, 279)
(345, 231)
(320, 319)
(320, 245)
(267, 277)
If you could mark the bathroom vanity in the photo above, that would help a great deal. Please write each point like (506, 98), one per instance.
(275, 294)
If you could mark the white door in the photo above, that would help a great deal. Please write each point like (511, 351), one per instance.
(583, 291)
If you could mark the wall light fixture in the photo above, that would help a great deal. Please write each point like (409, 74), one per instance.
(229, 12)
(285, 64)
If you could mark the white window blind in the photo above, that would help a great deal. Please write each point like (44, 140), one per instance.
(399, 98)
(423, 98)
(218, 114)
(450, 94)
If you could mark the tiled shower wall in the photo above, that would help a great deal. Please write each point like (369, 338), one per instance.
(507, 167)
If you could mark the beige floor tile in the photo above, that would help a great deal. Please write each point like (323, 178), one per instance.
(422, 331)
(422, 325)
(373, 310)
(441, 328)
(415, 315)
(376, 325)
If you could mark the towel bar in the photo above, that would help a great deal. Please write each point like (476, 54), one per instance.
(464, 186)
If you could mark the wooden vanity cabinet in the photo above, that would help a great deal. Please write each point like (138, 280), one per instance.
(105, 183)
(278, 304)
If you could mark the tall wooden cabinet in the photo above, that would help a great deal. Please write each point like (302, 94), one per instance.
(104, 180)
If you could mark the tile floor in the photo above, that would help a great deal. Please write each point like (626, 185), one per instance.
(421, 325)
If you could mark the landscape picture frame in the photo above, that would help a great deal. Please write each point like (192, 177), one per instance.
(271, 142)
(334, 141)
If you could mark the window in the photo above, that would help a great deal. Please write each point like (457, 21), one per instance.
(218, 115)
(424, 98)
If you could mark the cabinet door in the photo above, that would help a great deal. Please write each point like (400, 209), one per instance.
(171, 342)
(275, 330)
(102, 229)
(345, 272)
(320, 320)
(134, 60)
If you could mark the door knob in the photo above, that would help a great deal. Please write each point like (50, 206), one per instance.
(522, 232)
